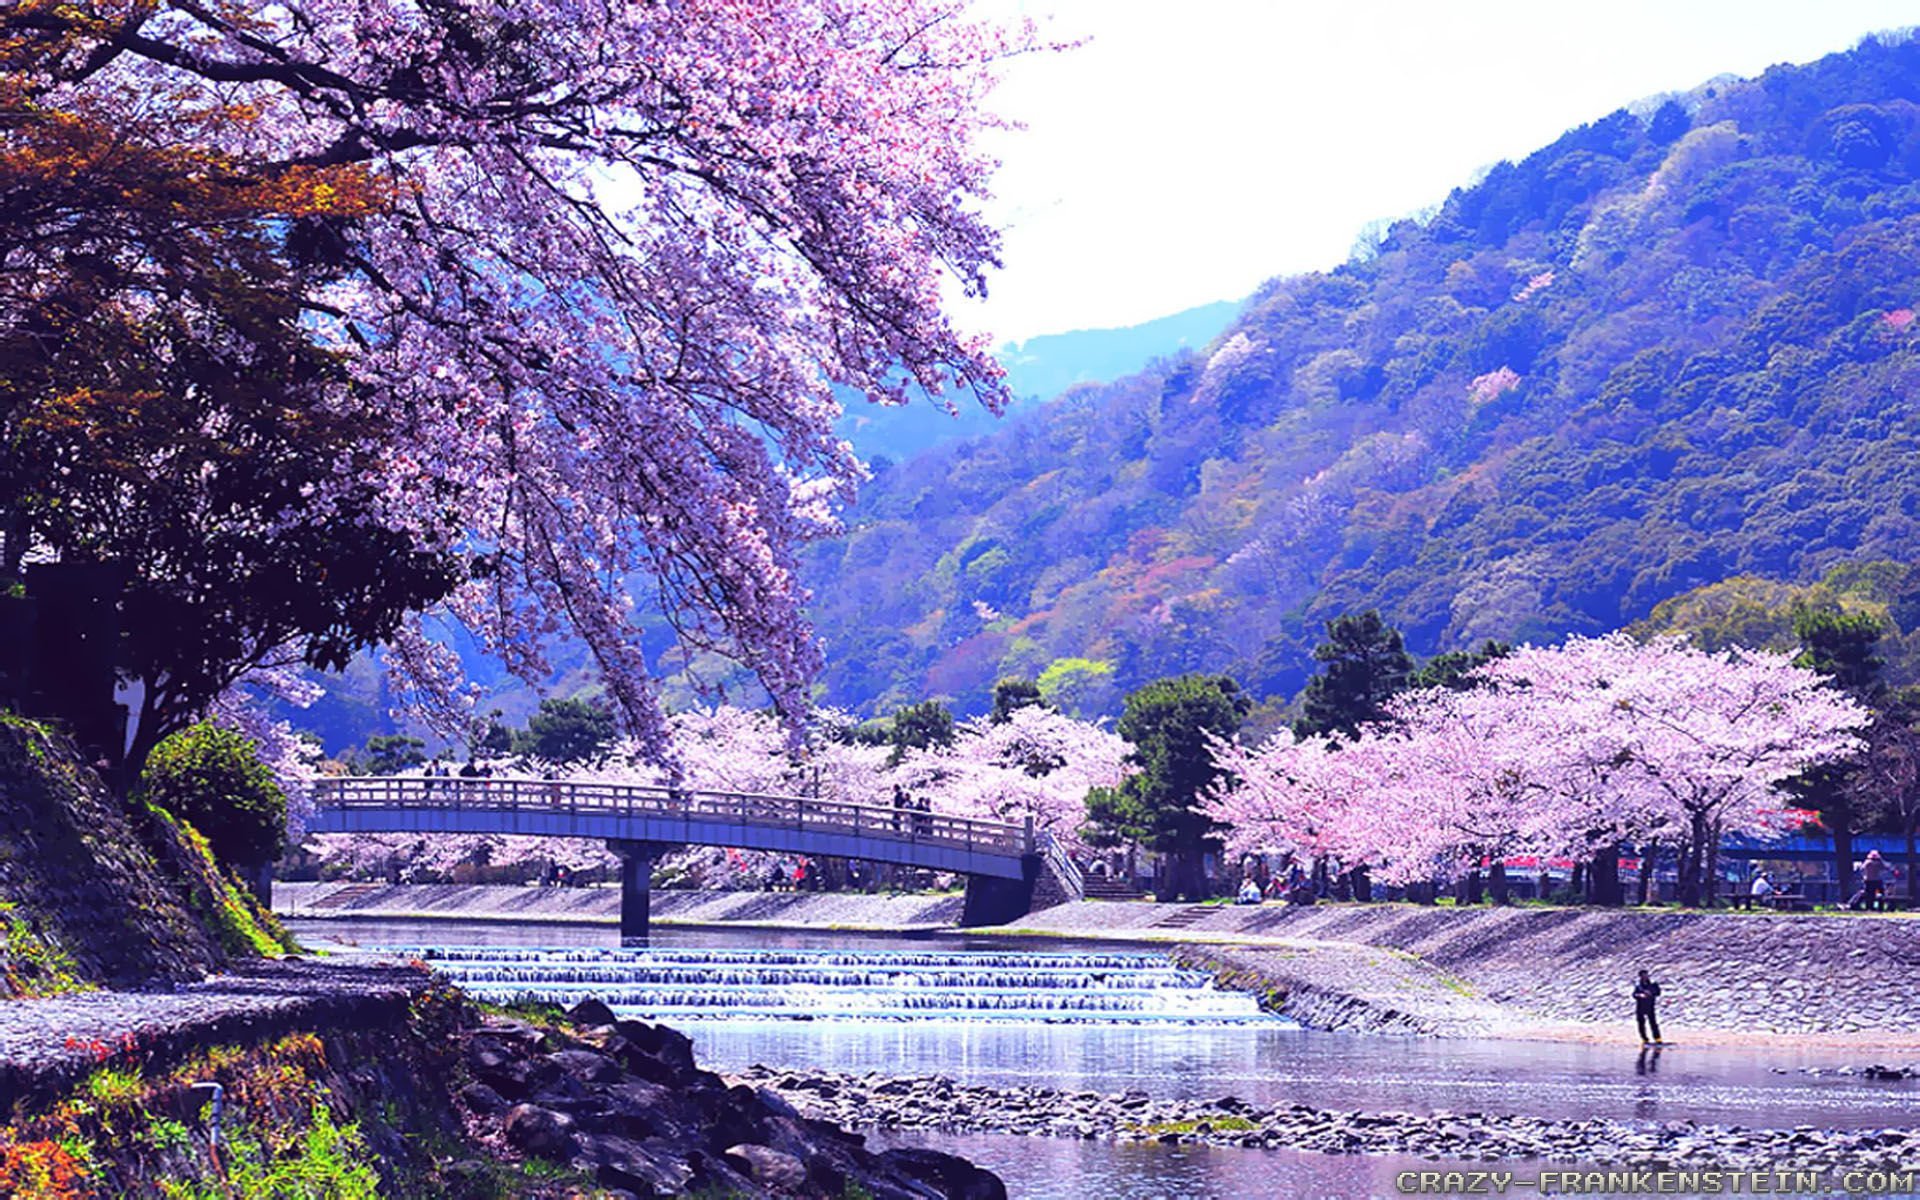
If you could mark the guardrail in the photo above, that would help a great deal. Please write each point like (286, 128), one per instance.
(509, 793)
(1063, 865)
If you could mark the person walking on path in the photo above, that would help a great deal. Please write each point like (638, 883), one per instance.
(1645, 992)
(1873, 879)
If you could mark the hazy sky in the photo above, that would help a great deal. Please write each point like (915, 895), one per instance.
(1193, 148)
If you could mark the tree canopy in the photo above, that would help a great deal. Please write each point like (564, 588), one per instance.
(1172, 725)
(582, 280)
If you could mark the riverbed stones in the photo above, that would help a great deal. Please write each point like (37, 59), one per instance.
(913, 1102)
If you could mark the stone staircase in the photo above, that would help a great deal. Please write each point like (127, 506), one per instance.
(344, 896)
(1099, 888)
(1184, 917)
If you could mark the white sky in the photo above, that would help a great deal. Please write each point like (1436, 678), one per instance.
(1194, 148)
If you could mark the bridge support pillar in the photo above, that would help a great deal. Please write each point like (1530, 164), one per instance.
(636, 885)
(992, 901)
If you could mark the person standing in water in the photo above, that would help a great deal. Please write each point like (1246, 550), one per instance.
(1645, 992)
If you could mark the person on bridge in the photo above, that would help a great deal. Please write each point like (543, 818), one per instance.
(1645, 993)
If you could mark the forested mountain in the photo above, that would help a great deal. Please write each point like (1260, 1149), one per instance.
(1675, 346)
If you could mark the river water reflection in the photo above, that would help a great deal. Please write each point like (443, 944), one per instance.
(1262, 1063)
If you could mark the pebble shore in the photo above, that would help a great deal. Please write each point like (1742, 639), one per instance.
(938, 1103)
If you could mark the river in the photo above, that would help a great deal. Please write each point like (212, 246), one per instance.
(1107, 1018)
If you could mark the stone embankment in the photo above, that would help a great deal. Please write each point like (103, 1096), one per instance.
(1556, 972)
(601, 906)
(938, 1103)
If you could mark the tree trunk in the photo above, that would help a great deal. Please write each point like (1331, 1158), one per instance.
(1712, 873)
(1603, 877)
(1913, 886)
(1473, 887)
(1690, 857)
(1843, 857)
(1648, 853)
(1497, 882)
(1362, 885)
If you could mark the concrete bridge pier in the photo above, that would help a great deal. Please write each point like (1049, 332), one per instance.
(636, 884)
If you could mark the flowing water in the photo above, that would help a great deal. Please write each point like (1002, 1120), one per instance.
(765, 985)
(1092, 1018)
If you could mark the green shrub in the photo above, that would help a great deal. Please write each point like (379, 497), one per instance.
(210, 777)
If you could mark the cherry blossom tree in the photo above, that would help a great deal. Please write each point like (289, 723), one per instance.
(1568, 750)
(1037, 764)
(625, 255)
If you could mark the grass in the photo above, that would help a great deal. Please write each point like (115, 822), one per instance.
(115, 1087)
(1222, 1124)
(35, 967)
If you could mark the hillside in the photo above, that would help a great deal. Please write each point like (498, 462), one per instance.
(1675, 346)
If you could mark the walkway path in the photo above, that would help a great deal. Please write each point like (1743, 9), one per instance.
(53, 1043)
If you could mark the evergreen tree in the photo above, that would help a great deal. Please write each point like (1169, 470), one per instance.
(921, 726)
(211, 777)
(1450, 670)
(570, 730)
(1366, 665)
(1012, 694)
(1840, 646)
(1159, 808)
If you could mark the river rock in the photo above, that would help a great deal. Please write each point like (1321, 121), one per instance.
(591, 1012)
(769, 1166)
(541, 1132)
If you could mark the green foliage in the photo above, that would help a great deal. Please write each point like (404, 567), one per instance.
(1012, 694)
(328, 1162)
(1075, 686)
(1450, 670)
(1170, 723)
(1841, 647)
(211, 778)
(229, 911)
(1365, 665)
(390, 754)
(35, 966)
(921, 726)
(565, 731)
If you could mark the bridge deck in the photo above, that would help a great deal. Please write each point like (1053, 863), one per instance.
(745, 820)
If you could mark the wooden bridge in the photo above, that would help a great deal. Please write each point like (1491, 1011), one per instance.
(639, 823)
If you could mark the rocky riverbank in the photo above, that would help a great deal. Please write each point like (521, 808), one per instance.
(372, 1080)
(939, 1103)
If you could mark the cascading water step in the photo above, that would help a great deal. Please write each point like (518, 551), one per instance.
(849, 985)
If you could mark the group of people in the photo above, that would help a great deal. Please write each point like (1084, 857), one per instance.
(1293, 885)
(910, 813)
(1876, 879)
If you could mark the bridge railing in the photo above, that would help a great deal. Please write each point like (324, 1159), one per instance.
(509, 793)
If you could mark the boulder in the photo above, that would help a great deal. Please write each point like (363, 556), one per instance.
(769, 1167)
(540, 1132)
(952, 1176)
(587, 1066)
(591, 1012)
